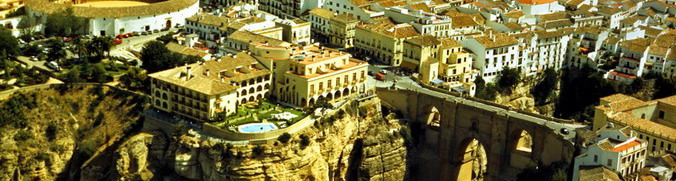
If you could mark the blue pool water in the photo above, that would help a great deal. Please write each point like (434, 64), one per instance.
(256, 127)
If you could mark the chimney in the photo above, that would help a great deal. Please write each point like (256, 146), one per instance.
(207, 73)
(188, 72)
(222, 79)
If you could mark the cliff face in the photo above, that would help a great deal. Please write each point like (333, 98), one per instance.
(357, 144)
(46, 134)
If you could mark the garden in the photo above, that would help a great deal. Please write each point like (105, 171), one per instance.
(262, 111)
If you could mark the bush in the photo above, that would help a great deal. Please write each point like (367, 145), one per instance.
(22, 135)
(51, 131)
(87, 148)
(509, 77)
(304, 140)
(258, 150)
(284, 138)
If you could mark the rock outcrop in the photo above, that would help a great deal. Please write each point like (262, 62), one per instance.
(356, 143)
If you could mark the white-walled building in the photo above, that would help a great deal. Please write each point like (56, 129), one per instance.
(538, 7)
(617, 149)
(494, 51)
(425, 23)
(106, 20)
(584, 46)
(541, 50)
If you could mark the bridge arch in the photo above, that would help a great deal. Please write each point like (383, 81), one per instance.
(433, 117)
(471, 160)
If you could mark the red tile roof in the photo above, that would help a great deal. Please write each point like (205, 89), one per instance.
(536, 1)
(625, 146)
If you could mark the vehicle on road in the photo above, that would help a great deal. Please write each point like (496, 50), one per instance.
(34, 58)
(372, 73)
(383, 71)
(117, 41)
(136, 33)
(380, 77)
(53, 65)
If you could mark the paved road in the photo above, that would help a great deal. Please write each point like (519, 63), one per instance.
(135, 43)
(38, 64)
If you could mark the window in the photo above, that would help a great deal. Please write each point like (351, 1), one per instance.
(661, 114)
(596, 158)
(610, 162)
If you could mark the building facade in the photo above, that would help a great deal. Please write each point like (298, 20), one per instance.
(617, 149)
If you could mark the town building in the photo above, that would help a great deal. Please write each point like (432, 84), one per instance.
(632, 58)
(242, 40)
(492, 52)
(538, 7)
(383, 40)
(343, 28)
(295, 31)
(616, 148)
(304, 75)
(540, 50)
(288, 9)
(424, 22)
(202, 90)
(442, 62)
(654, 121)
(585, 45)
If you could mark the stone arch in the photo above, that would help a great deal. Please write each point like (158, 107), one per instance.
(267, 86)
(346, 92)
(259, 79)
(259, 96)
(252, 81)
(303, 102)
(164, 96)
(157, 102)
(243, 92)
(164, 105)
(311, 102)
(243, 101)
(252, 90)
(251, 98)
(472, 160)
(259, 88)
(157, 94)
(337, 94)
(523, 141)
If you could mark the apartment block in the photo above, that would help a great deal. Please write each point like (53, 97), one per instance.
(383, 40)
(492, 52)
(616, 148)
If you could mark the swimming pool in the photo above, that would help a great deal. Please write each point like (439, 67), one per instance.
(256, 127)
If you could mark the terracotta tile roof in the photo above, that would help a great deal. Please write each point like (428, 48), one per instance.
(609, 11)
(612, 40)
(345, 18)
(424, 40)
(637, 45)
(551, 34)
(463, 21)
(513, 26)
(209, 19)
(643, 125)
(48, 6)
(220, 75)
(499, 40)
(422, 7)
(515, 14)
(535, 2)
(671, 100)
(387, 27)
(625, 146)
(595, 30)
(449, 43)
(321, 12)
(248, 37)
(598, 173)
(558, 24)
(175, 47)
(553, 16)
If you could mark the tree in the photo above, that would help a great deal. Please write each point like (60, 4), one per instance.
(284, 138)
(304, 140)
(99, 74)
(483, 90)
(545, 86)
(134, 79)
(8, 42)
(509, 77)
(64, 23)
(98, 46)
(5, 63)
(157, 57)
(323, 102)
(56, 49)
(258, 150)
(165, 38)
(73, 75)
(154, 56)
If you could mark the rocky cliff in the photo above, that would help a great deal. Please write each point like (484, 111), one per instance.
(356, 143)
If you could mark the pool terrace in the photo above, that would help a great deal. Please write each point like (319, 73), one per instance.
(260, 112)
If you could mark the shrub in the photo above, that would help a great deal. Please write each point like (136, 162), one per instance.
(304, 140)
(22, 135)
(258, 150)
(42, 156)
(51, 131)
(284, 138)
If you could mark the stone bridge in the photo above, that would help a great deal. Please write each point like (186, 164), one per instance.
(469, 139)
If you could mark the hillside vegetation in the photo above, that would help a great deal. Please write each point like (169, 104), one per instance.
(46, 134)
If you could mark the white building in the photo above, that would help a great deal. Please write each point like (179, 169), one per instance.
(358, 9)
(106, 20)
(584, 46)
(493, 52)
(617, 149)
(425, 23)
(541, 50)
(538, 7)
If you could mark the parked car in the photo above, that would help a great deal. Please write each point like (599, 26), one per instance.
(144, 33)
(383, 71)
(53, 65)
(136, 33)
(156, 31)
(380, 77)
(372, 73)
(130, 34)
